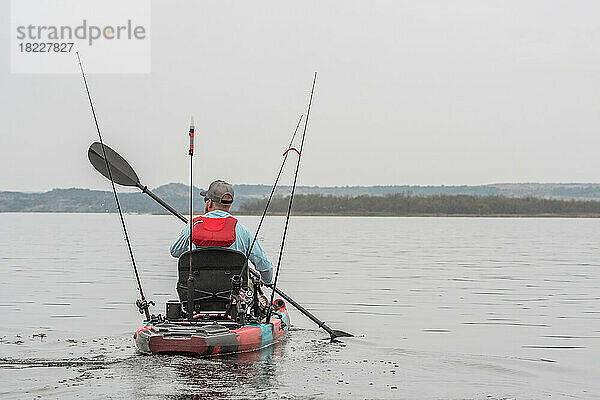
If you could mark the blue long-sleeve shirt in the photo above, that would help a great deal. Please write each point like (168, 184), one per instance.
(243, 241)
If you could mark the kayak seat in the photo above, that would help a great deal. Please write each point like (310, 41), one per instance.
(212, 269)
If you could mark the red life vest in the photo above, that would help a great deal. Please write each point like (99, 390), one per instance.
(213, 231)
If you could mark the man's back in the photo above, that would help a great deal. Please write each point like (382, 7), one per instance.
(242, 243)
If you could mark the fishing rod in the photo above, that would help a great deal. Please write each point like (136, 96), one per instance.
(287, 218)
(141, 303)
(190, 281)
(285, 155)
(333, 333)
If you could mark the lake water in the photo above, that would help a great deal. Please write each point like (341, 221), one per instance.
(446, 308)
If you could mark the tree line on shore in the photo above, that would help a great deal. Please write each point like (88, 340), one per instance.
(405, 205)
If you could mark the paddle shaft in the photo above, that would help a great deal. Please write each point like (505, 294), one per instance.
(298, 306)
(173, 211)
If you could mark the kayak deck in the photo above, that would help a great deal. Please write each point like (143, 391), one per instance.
(203, 337)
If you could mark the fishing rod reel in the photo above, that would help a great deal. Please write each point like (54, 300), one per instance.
(237, 305)
(143, 306)
(261, 304)
(242, 303)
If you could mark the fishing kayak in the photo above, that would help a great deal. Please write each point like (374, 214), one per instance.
(205, 337)
(221, 309)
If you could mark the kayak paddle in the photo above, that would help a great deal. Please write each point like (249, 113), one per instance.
(123, 174)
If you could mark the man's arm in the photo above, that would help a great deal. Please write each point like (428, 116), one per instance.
(258, 257)
(261, 263)
(182, 243)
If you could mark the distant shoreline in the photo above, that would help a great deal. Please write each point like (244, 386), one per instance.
(528, 200)
(401, 205)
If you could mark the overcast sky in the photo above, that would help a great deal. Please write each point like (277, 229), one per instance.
(408, 92)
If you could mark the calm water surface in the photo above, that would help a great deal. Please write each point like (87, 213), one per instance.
(447, 308)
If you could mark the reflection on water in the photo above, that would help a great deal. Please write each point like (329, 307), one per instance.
(246, 375)
(444, 308)
(233, 373)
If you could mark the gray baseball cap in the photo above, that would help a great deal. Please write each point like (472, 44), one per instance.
(217, 190)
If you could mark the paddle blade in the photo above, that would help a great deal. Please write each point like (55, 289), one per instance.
(121, 171)
(336, 334)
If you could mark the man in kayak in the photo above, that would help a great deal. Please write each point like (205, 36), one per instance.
(217, 227)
